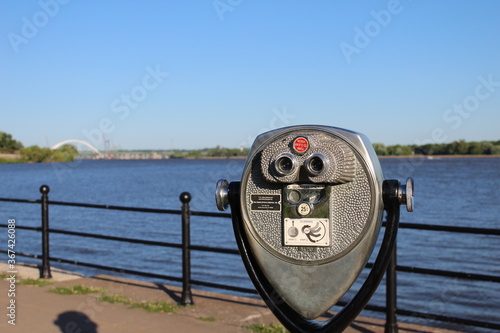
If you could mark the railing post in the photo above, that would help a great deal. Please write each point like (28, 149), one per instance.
(45, 271)
(391, 323)
(187, 297)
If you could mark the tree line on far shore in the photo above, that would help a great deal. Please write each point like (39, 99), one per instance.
(67, 153)
(35, 154)
(217, 152)
(460, 147)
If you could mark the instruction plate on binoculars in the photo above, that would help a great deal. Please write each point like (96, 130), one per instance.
(306, 232)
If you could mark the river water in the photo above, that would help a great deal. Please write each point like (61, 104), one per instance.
(451, 191)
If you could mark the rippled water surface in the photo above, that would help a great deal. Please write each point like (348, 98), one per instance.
(455, 192)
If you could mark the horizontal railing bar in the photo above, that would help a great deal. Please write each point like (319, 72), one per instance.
(112, 207)
(223, 286)
(124, 208)
(437, 227)
(142, 241)
(115, 238)
(153, 275)
(407, 269)
(438, 272)
(132, 240)
(402, 225)
(448, 319)
(20, 200)
(23, 227)
(210, 214)
(115, 269)
(430, 227)
(133, 272)
(369, 306)
(213, 249)
(28, 255)
(454, 274)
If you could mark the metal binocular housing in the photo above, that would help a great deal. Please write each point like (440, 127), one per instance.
(307, 214)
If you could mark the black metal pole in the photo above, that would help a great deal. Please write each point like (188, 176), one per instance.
(45, 271)
(187, 297)
(391, 323)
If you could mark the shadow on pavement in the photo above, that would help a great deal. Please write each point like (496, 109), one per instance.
(73, 321)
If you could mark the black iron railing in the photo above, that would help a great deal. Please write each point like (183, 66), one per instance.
(391, 309)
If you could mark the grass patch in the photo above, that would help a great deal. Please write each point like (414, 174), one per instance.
(3, 276)
(36, 282)
(77, 290)
(148, 306)
(122, 299)
(262, 328)
(156, 307)
(207, 319)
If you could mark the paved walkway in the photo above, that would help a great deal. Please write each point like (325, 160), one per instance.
(37, 310)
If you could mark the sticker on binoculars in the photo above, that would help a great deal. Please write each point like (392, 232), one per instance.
(266, 202)
(307, 232)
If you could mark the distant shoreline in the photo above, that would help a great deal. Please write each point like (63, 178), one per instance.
(430, 157)
(10, 156)
(15, 159)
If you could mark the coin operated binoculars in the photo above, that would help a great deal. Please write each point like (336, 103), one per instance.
(306, 216)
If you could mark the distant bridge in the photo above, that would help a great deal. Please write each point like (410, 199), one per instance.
(86, 144)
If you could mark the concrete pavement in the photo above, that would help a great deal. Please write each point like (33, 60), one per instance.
(38, 310)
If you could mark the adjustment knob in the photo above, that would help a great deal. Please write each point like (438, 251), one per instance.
(221, 194)
(406, 194)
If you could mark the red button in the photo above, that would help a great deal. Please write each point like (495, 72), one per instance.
(300, 144)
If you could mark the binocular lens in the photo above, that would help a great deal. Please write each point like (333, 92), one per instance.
(285, 164)
(317, 164)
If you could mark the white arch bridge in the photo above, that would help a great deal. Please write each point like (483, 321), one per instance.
(84, 143)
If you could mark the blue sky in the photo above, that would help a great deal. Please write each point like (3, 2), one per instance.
(179, 74)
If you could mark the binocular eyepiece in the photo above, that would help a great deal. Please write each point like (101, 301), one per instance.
(312, 159)
(287, 164)
(317, 164)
